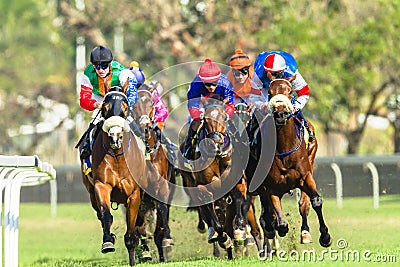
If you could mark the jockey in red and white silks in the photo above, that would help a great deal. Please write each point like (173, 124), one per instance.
(283, 65)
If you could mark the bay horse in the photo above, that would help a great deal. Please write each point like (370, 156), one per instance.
(292, 167)
(208, 174)
(143, 112)
(241, 223)
(115, 151)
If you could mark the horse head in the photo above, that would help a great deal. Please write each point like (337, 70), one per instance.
(280, 103)
(215, 123)
(243, 111)
(114, 110)
(144, 109)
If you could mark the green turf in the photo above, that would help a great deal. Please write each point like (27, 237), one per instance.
(73, 237)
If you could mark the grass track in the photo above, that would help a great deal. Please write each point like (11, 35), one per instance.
(73, 238)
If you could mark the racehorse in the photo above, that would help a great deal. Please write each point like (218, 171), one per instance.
(241, 223)
(114, 152)
(291, 167)
(143, 112)
(211, 165)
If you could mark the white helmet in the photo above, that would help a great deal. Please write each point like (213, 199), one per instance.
(274, 63)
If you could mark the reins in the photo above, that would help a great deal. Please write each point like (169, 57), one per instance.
(299, 135)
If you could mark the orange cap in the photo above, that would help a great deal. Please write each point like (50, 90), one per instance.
(239, 60)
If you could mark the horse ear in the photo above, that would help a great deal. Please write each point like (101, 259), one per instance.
(250, 106)
(204, 101)
(155, 85)
(291, 79)
(125, 86)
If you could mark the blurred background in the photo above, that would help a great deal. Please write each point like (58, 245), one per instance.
(348, 52)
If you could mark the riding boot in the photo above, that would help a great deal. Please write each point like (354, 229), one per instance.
(86, 150)
(188, 148)
(310, 133)
(167, 142)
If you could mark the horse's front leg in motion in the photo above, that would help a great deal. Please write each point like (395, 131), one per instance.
(325, 239)
(130, 238)
(102, 192)
(304, 208)
(281, 224)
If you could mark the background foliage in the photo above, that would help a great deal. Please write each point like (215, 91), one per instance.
(347, 51)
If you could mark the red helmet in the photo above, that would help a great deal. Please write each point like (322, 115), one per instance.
(274, 63)
(209, 71)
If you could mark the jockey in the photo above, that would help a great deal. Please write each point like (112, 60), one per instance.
(209, 81)
(161, 110)
(102, 71)
(240, 76)
(279, 65)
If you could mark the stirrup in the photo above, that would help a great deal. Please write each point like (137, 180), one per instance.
(311, 137)
(85, 153)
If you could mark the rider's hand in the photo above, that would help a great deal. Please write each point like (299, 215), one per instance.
(97, 105)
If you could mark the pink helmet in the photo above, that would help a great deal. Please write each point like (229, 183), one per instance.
(209, 71)
(274, 63)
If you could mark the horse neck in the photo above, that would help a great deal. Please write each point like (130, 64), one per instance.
(286, 137)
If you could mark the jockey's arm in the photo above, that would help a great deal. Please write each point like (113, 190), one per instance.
(302, 90)
(161, 110)
(85, 96)
(193, 96)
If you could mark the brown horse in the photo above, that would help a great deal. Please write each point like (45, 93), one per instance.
(209, 170)
(291, 166)
(143, 112)
(115, 150)
(241, 223)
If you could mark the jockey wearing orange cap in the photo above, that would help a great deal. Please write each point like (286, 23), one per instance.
(240, 75)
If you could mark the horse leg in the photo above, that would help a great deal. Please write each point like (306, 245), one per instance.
(102, 193)
(142, 234)
(304, 208)
(281, 225)
(255, 229)
(130, 238)
(239, 223)
(162, 235)
(266, 222)
(310, 188)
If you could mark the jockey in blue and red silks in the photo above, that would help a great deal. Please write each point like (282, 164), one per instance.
(209, 81)
(279, 65)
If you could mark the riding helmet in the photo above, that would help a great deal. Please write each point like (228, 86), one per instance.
(134, 67)
(101, 54)
(209, 72)
(274, 63)
(239, 60)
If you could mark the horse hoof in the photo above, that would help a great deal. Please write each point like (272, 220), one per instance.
(107, 247)
(145, 256)
(305, 237)
(250, 241)
(201, 230)
(212, 235)
(282, 229)
(167, 242)
(239, 235)
(325, 242)
(227, 243)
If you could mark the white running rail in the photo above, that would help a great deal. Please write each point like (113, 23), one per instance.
(15, 172)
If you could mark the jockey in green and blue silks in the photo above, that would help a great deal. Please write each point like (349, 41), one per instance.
(104, 70)
(102, 73)
(280, 65)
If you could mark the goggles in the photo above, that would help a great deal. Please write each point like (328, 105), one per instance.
(211, 84)
(243, 71)
(102, 66)
(278, 75)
